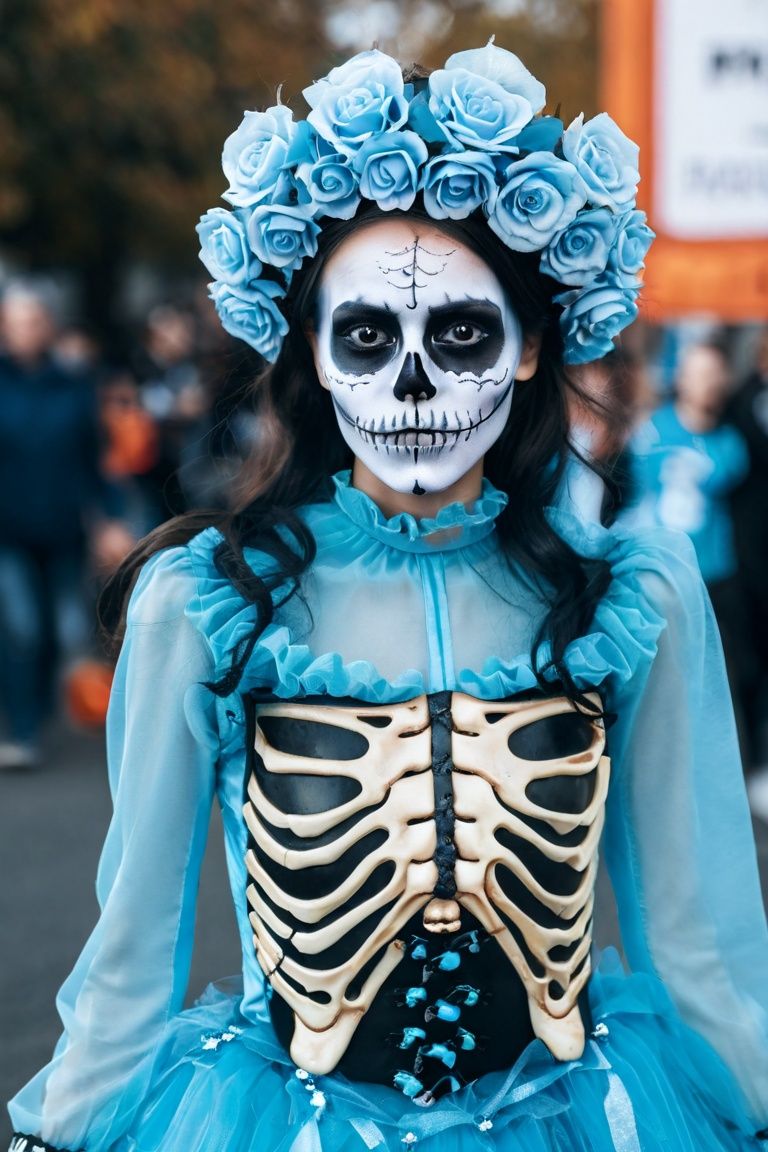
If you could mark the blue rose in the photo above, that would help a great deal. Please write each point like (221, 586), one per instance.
(473, 112)
(594, 315)
(289, 191)
(606, 160)
(255, 153)
(252, 314)
(457, 183)
(360, 99)
(332, 184)
(504, 69)
(283, 234)
(388, 166)
(543, 134)
(581, 251)
(541, 197)
(224, 247)
(633, 240)
(305, 145)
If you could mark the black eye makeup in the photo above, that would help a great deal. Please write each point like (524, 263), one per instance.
(366, 337)
(465, 334)
(461, 335)
(363, 338)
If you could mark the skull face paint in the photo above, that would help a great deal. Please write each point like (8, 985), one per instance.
(419, 348)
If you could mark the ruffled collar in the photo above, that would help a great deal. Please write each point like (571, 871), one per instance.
(455, 526)
(622, 639)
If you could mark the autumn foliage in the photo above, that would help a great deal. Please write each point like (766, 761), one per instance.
(113, 113)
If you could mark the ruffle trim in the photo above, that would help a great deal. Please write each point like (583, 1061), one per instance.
(456, 525)
(644, 1082)
(623, 638)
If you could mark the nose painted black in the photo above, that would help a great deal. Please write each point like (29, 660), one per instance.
(413, 380)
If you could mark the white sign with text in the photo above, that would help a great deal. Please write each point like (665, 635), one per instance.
(711, 118)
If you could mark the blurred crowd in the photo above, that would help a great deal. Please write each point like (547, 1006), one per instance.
(692, 456)
(97, 449)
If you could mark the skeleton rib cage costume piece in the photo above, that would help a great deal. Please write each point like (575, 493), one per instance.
(458, 803)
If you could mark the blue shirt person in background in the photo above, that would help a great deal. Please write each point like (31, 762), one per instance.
(686, 463)
(748, 412)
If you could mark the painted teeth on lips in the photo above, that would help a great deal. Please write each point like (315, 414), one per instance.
(411, 438)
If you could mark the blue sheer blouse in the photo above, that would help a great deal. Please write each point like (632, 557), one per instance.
(391, 608)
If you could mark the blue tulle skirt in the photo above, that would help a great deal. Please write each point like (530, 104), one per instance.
(645, 1083)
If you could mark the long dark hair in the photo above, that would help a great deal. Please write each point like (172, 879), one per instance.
(301, 447)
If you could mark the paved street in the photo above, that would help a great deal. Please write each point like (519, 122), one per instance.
(52, 823)
(51, 826)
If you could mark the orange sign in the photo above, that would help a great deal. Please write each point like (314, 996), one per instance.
(726, 277)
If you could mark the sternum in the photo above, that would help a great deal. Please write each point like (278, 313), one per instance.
(445, 818)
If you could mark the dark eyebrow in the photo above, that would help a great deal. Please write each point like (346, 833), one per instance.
(358, 311)
(482, 309)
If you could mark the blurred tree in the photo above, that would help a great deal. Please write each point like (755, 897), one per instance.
(112, 114)
(556, 39)
(112, 118)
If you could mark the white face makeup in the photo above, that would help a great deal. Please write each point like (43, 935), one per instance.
(419, 348)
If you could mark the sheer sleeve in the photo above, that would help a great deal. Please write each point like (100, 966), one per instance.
(132, 974)
(679, 841)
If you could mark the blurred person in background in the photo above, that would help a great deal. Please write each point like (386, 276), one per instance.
(131, 447)
(194, 387)
(598, 480)
(54, 502)
(748, 412)
(686, 463)
(166, 368)
(77, 349)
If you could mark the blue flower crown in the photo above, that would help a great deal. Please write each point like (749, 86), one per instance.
(473, 136)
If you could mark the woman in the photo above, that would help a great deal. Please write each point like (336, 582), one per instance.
(398, 678)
